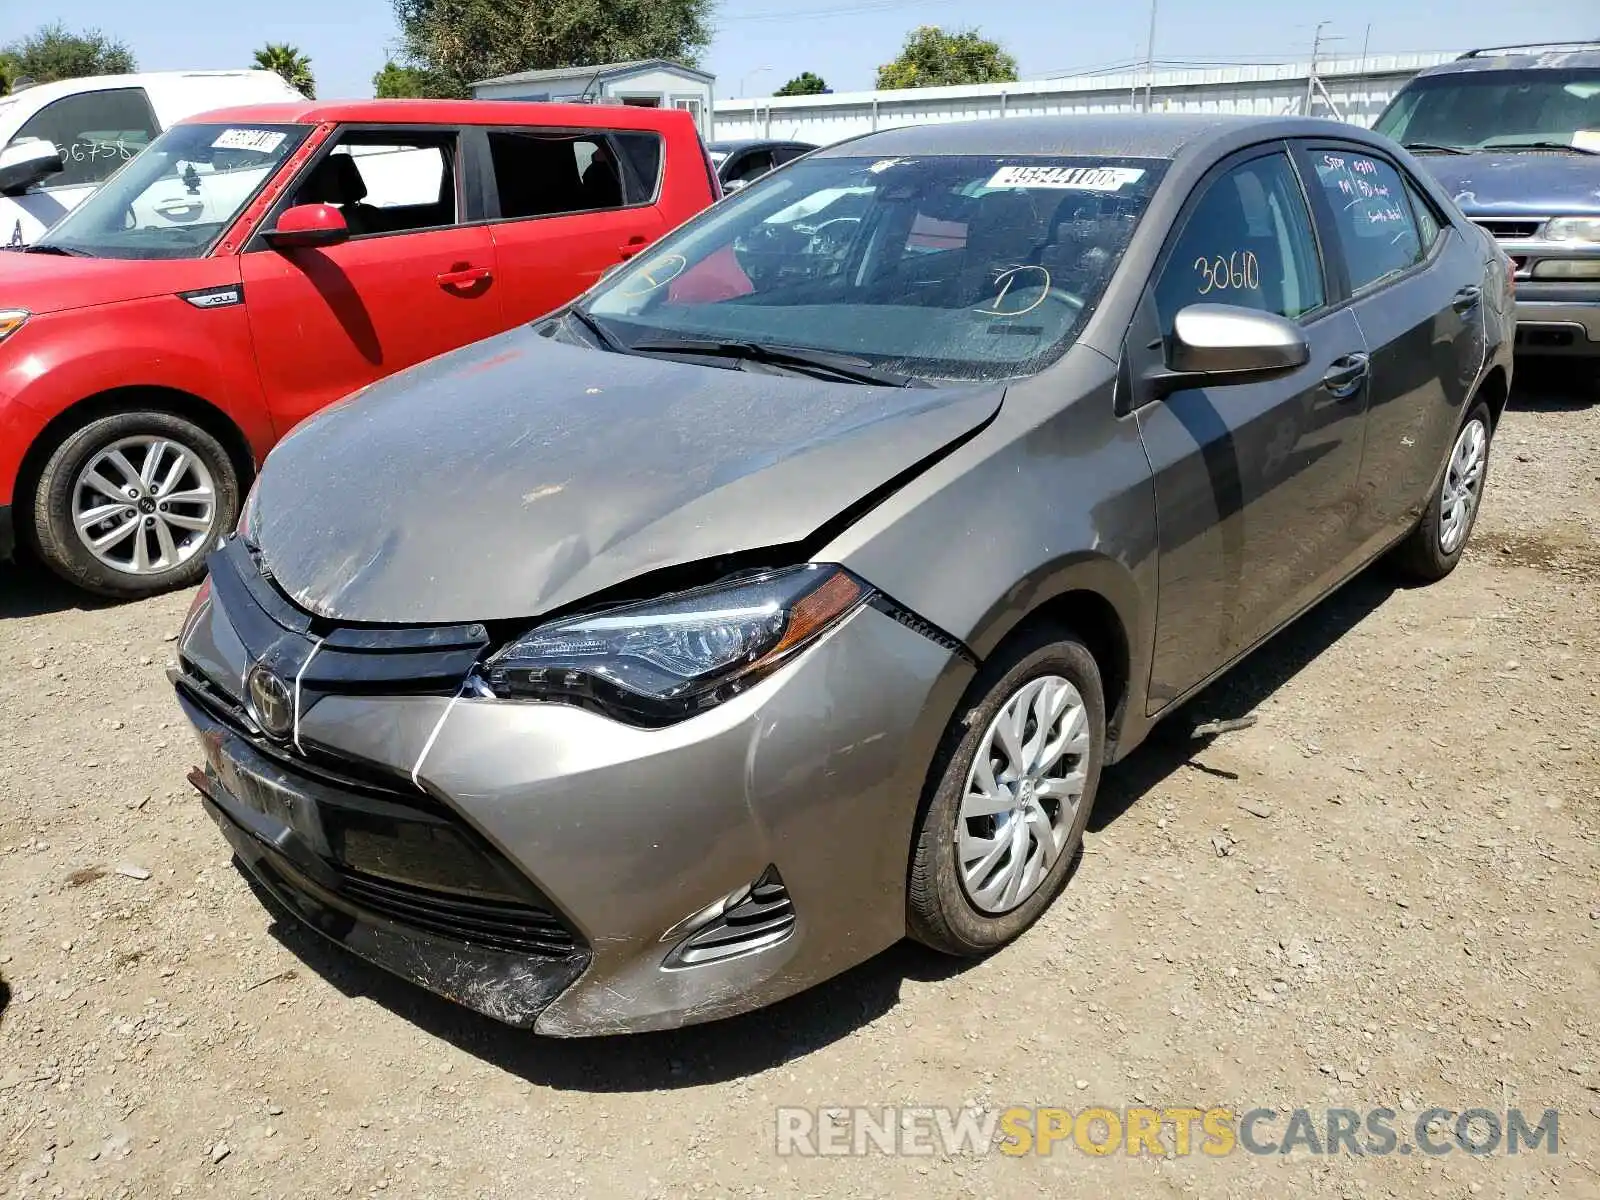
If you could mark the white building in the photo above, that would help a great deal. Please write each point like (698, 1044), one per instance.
(648, 83)
(1350, 89)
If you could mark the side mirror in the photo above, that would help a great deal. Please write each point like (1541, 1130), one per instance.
(26, 163)
(308, 225)
(1219, 344)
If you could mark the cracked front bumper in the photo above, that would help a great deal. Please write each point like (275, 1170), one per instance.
(626, 838)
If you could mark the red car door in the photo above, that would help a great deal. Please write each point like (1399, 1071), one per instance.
(565, 205)
(411, 282)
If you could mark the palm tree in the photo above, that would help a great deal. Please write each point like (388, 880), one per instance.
(294, 67)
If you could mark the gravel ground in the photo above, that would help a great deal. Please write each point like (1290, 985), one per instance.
(1385, 893)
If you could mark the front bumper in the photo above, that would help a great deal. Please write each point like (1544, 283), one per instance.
(1558, 318)
(806, 785)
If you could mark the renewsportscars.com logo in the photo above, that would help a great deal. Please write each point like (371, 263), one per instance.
(1162, 1132)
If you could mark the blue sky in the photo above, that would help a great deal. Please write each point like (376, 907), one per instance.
(346, 39)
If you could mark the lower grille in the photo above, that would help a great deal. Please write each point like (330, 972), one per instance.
(520, 928)
(395, 853)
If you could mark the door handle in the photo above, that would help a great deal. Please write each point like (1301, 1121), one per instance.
(1466, 298)
(1346, 375)
(465, 277)
(633, 245)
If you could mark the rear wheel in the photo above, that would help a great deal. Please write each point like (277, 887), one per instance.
(1435, 546)
(131, 504)
(1016, 780)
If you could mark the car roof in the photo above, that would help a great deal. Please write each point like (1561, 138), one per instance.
(1127, 135)
(1553, 57)
(452, 112)
(747, 143)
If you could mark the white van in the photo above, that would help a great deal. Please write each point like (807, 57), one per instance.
(95, 125)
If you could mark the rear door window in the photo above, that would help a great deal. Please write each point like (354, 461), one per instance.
(95, 132)
(541, 173)
(1377, 231)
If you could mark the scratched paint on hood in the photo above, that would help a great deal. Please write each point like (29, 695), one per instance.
(520, 474)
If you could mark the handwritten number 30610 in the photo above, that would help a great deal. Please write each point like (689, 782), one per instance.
(1239, 271)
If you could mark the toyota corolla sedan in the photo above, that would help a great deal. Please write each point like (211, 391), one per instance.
(787, 594)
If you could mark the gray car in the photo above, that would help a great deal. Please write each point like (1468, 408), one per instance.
(788, 593)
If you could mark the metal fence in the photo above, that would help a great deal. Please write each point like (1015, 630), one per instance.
(1349, 89)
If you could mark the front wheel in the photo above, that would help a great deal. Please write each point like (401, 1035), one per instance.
(1434, 547)
(1015, 783)
(131, 504)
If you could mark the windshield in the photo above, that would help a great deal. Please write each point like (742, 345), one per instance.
(1474, 110)
(960, 267)
(176, 198)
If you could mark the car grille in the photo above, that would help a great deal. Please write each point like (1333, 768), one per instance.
(1510, 228)
(397, 853)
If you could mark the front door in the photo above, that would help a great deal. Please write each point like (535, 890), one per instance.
(570, 205)
(1416, 282)
(410, 283)
(1255, 482)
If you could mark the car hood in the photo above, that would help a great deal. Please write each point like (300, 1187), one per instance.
(1522, 183)
(519, 474)
(46, 283)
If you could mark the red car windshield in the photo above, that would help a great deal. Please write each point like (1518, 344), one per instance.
(177, 197)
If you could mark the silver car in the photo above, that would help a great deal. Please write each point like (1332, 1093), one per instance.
(788, 593)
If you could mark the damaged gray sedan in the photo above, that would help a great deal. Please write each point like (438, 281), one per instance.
(786, 594)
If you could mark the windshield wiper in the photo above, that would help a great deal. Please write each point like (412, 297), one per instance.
(1435, 147)
(1540, 145)
(40, 248)
(605, 338)
(838, 366)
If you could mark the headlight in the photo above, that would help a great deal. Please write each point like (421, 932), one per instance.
(1572, 229)
(249, 525)
(11, 320)
(662, 660)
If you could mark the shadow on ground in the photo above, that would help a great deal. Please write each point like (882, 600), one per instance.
(28, 590)
(1555, 385)
(833, 1010)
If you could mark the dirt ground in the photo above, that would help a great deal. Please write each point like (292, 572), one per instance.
(1385, 893)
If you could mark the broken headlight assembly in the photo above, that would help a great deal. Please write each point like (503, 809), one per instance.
(662, 660)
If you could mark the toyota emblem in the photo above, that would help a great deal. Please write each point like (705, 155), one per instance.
(270, 701)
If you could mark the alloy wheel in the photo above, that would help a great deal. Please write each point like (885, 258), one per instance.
(1022, 794)
(1463, 485)
(144, 505)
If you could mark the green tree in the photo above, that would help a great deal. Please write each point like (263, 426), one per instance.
(396, 82)
(55, 53)
(803, 84)
(457, 42)
(287, 61)
(933, 58)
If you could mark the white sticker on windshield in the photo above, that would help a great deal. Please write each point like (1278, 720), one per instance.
(1085, 179)
(883, 164)
(264, 141)
(1587, 139)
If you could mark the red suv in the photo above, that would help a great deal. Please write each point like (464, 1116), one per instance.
(255, 264)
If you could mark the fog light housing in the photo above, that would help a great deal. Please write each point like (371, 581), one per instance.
(1567, 268)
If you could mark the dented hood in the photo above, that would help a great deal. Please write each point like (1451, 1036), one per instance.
(1515, 184)
(520, 474)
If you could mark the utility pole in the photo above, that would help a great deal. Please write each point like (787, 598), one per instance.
(1150, 58)
(1366, 40)
(1311, 75)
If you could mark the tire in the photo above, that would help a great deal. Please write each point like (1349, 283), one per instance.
(109, 448)
(1432, 550)
(942, 911)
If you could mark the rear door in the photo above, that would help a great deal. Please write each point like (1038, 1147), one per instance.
(1254, 481)
(564, 206)
(413, 281)
(1415, 281)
